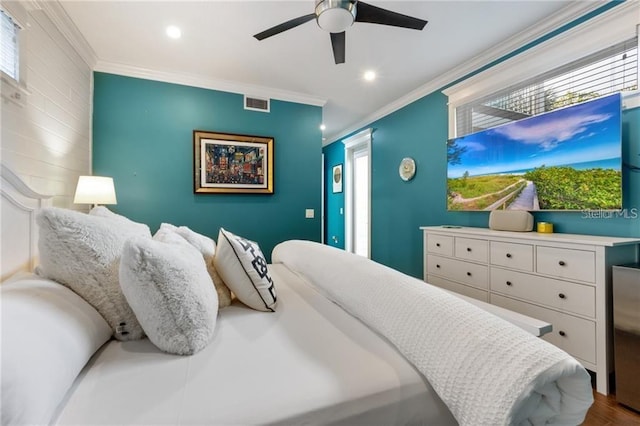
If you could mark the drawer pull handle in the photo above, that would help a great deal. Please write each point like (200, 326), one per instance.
(562, 296)
(468, 248)
(437, 244)
(562, 333)
(468, 274)
(438, 266)
(509, 283)
(561, 263)
(509, 255)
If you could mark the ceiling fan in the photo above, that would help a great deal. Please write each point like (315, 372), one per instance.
(335, 16)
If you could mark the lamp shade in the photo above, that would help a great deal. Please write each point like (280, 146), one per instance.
(95, 190)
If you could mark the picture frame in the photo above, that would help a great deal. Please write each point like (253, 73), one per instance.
(337, 178)
(227, 163)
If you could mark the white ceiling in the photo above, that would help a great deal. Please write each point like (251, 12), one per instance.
(217, 46)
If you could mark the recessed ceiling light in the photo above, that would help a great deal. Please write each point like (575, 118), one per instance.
(369, 75)
(323, 127)
(173, 32)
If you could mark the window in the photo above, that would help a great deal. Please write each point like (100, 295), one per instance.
(10, 52)
(597, 57)
(13, 66)
(611, 70)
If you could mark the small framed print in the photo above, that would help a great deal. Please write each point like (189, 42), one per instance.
(225, 163)
(337, 178)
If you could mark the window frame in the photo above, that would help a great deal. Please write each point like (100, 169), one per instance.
(17, 28)
(12, 89)
(614, 26)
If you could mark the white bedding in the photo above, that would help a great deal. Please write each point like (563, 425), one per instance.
(486, 370)
(307, 363)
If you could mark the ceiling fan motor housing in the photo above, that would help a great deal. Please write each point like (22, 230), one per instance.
(335, 16)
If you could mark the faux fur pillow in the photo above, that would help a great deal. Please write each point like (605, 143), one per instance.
(82, 252)
(169, 289)
(207, 247)
(123, 221)
(243, 268)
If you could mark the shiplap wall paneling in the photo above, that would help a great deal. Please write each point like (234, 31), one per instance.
(48, 140)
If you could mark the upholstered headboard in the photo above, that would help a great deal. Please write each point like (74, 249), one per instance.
(19, 239)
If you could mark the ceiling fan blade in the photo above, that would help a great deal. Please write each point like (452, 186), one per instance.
(338, 43)
(375, 15)
(285, 26)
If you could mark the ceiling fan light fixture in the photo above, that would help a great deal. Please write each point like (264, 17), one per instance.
(335, 16)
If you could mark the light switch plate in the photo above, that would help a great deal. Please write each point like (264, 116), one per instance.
(309, 213)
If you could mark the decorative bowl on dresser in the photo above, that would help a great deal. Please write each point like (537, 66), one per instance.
(564, 279)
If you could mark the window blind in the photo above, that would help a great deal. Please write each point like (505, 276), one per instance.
(611, 70)
(10, 29)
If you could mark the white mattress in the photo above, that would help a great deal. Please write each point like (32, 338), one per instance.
(308, 363)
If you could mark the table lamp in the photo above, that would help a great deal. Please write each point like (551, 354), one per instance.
(95, 190)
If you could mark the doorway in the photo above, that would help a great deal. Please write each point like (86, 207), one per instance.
(358, 193)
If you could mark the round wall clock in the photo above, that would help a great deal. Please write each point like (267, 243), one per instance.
(407, 169)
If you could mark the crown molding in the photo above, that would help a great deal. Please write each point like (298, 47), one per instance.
(208, 83)
(67, 28)
(62, 21)
(574, 10)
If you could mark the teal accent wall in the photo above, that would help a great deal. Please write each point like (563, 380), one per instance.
(398, 208)
(143, 137)
(333, 202)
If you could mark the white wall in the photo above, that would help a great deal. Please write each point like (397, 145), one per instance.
(48, 140)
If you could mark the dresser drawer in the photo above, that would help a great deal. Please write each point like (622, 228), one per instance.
(458, 288)
(575, 335)
(565, 296)
(463, 272)
(471, 249)
(440, 244)
(512, 255)
(566, 263)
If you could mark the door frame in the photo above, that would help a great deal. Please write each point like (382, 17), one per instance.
(360, 142)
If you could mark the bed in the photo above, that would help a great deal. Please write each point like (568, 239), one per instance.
(349, 342)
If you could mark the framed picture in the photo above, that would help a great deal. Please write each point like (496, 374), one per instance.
(228, 163)
(337, 178)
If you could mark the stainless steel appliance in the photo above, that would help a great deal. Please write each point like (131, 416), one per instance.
(626, 323)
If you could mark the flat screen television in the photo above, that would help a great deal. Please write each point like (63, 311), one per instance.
(565, 159)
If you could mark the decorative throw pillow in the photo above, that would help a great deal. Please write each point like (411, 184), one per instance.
(207, 247)
(123, 221)
(243, 268)
(224, 294)
(82, 252)
(167, 285)
(204, 244)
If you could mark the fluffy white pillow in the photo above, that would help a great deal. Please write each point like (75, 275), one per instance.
(82, 252)
(167, 285)
(243, 268)
(48, 335)
(207, 247)
(204, 244)
(123, 221)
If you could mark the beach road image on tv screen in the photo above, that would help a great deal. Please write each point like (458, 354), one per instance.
(566, 159)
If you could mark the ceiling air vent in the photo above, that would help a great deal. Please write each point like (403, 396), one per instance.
(256, 104)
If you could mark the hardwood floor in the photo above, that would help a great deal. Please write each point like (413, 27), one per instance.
(605, 411)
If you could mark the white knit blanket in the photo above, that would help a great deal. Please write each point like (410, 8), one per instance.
(488, 371)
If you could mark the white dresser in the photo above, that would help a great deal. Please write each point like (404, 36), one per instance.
(564, 279)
